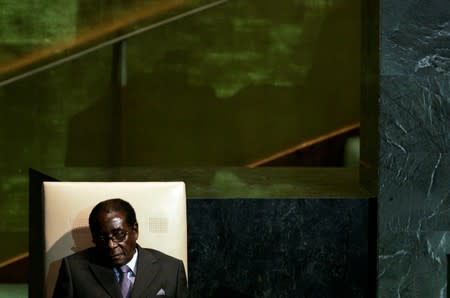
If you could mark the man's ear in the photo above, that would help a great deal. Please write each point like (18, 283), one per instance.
(136, 230)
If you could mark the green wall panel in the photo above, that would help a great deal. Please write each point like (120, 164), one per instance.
(225, 87)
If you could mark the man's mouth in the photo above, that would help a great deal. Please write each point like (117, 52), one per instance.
(116, 256)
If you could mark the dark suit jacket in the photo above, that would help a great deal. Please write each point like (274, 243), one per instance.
(82, 275)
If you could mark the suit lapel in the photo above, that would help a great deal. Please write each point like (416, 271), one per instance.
(106, 278)
(146, 270)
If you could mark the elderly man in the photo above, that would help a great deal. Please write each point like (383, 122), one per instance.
(117, 266)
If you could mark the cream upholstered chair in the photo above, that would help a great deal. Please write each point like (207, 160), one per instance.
(160, 211)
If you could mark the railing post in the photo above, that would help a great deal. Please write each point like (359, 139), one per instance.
(119, 85)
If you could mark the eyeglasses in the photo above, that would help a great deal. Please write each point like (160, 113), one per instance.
(116, 237)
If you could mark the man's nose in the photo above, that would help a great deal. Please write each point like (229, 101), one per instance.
(111, 244)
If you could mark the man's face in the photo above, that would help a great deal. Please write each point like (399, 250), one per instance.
(115, 239)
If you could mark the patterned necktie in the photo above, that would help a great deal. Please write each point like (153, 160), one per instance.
(125, 282)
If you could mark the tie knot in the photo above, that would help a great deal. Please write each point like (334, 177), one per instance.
(125, 269)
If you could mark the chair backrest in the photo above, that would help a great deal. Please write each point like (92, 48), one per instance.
(160, 210)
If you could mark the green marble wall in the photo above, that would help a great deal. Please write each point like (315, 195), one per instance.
(222, 88)
(37, 22)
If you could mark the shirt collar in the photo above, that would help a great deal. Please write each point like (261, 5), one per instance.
(133, 261)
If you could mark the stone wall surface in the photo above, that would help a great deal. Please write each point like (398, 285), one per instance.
(414, 160)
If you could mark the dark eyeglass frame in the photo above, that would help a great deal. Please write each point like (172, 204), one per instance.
(116, 237)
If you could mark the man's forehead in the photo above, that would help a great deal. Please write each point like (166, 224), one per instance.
(113, 220)
(116, 221)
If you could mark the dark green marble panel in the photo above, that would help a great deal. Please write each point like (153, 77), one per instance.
(414, 172)
(280, 248)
